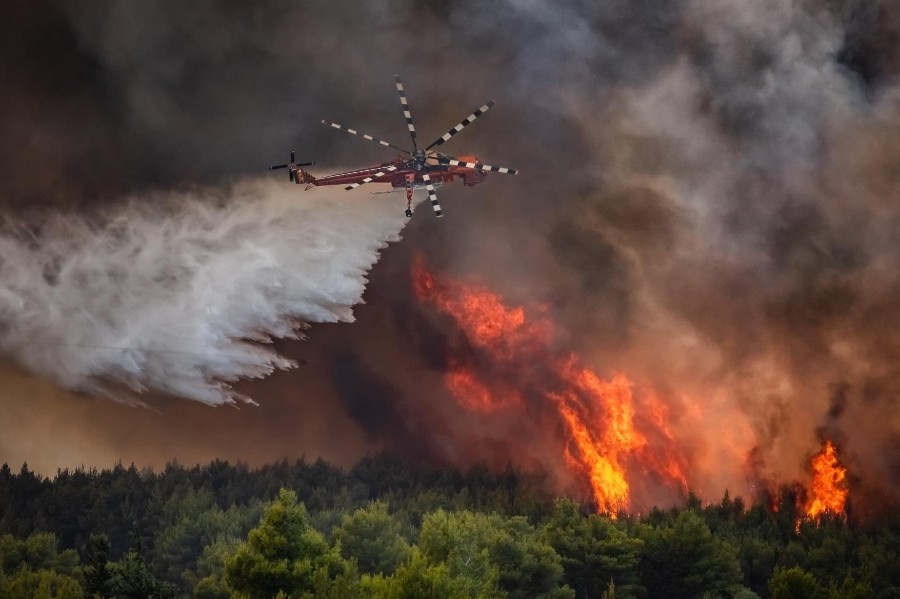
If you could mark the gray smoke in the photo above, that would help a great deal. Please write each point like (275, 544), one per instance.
(707, 198)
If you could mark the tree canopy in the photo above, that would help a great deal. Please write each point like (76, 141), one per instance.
(390, 529)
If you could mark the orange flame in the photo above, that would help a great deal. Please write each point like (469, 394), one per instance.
(828, 490)
(602, 443)
(481, 315)
(664, 457)
(469, 391)
(474, 395)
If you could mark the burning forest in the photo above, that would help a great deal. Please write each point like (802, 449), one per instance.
(505, 364)
(509, 365)
(828, 490)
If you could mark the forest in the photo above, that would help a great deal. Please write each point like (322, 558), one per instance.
(387, 528)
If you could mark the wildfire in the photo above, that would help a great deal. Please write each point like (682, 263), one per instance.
(474, 395)
(828, 490)
(481, 315)
(602, 444)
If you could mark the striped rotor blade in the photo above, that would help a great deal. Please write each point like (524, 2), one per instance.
(380, 173)
(462, 125)
(483, 167)
(364, 136)
(406, 113)
(429, 186)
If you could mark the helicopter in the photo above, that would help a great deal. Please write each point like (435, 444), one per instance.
(422, 167)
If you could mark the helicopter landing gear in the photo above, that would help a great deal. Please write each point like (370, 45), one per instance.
(409, 194)
(408, 213)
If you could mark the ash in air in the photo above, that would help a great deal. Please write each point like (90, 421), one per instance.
(176, 292)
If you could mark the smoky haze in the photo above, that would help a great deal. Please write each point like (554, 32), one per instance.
(707, 201)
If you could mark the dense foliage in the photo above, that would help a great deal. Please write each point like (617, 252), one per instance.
(387, 529)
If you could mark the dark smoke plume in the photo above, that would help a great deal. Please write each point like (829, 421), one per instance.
(707, 198)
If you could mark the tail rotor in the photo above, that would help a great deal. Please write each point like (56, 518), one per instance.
(293, 167)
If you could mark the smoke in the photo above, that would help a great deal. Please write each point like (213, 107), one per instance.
(717, 224)
(707, 201)
(177, 292)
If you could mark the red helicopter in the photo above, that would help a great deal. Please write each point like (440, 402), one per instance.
(409, 170)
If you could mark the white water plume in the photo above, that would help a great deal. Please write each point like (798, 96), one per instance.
(173, 292)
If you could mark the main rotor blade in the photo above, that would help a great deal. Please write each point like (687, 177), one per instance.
(406, 112)
(483, 167)
(381, 173)
(462, 125)
(432, 196)
(364, 136)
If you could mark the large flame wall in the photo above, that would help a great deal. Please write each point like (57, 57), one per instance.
(511, 365)
(612, 435)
